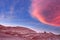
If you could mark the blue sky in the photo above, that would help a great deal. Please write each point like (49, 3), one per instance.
(16, 12)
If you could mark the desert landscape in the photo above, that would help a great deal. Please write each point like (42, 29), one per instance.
(22, 33)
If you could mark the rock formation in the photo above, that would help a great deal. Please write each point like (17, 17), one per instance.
(22, 33)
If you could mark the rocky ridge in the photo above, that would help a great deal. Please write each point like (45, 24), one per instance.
(22, 33)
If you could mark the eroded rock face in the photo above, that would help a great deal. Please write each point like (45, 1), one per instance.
(21, 33)
(18, 30)
(4, 36)
(14, 33)
(46, 36)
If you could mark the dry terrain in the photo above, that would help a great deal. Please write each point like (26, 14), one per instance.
(22, 33)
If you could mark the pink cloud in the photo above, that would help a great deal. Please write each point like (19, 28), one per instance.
(37, 7)
(35, 10)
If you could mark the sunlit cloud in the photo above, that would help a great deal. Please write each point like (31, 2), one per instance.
(35, 10)
(45, 12)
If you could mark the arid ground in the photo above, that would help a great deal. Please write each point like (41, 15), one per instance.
(22, 33)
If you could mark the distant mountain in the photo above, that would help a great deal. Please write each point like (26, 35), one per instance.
(22, 33)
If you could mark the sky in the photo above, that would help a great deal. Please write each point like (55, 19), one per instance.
(17, 13)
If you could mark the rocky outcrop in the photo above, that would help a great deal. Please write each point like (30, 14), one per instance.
(22, 33)
(17, 29)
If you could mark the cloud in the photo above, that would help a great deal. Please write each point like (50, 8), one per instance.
(2, 16)
(7, 15)
(35, 10)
